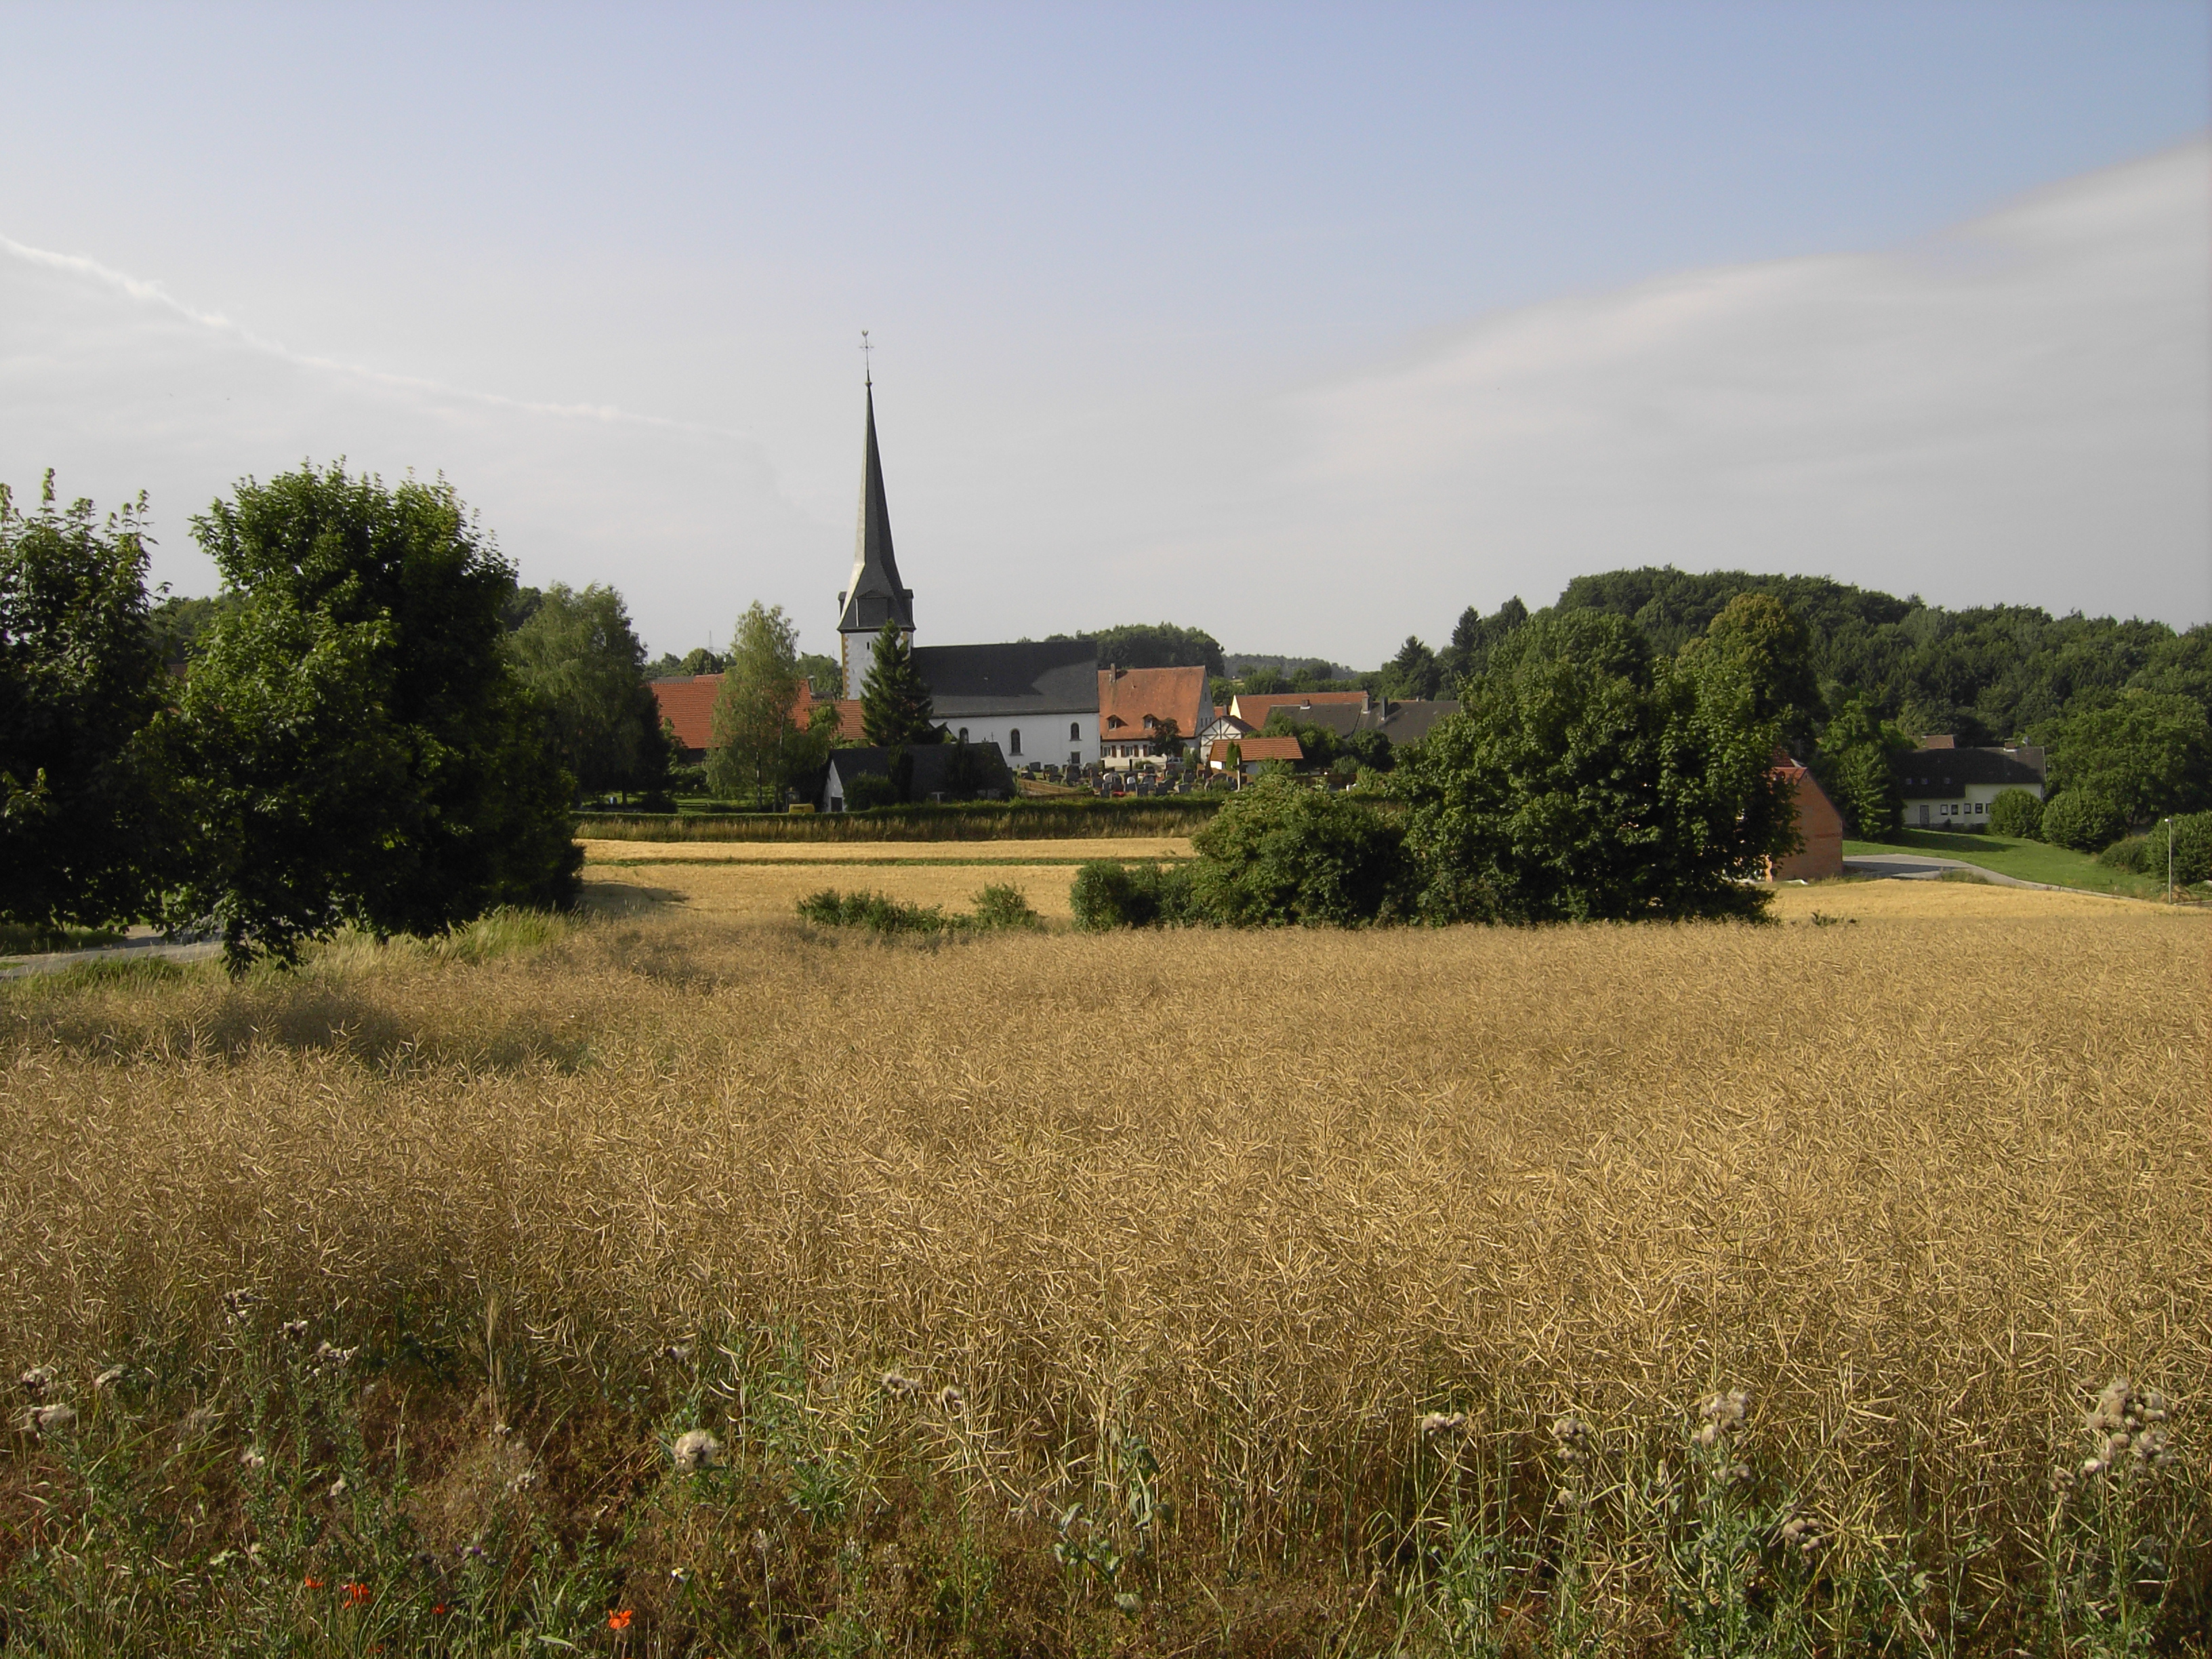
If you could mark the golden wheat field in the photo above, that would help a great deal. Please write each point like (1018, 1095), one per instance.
(1299, 1263)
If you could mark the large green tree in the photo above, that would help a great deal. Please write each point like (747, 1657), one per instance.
(894, 705)
(1586, 778)
(1155, 645)
(353, 745)
(1854, 764)
(81, 676)
(578, 656)
(1774, 650)
(759, 746)
(1284, 853)
(1414, 672)
(2146, 752)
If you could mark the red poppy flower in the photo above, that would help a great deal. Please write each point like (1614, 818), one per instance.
(619, 1620)
(311, 1583)
(357, 1594)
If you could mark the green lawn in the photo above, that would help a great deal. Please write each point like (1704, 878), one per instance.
(2028, 861)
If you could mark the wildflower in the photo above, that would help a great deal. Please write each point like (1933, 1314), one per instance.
(696, 1450)
(107, 1379)
(1437, 1423)
(437, 1609)
(37, 1380)
(619, 1619)
(330, 1357)
(356, 1593)
(2128, 1423)
(251, 1458)
(52, 1419)
(897, 1382)
(293, 1330)
(1130, 1602)
(1799, 1533)
(338, 1487)
(311, 1583)
(1570, 1439)
(237, 1304)
(1722, 1412)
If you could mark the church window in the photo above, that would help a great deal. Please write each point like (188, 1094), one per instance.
(1014, 741)
(963, 734)
(1075, 731)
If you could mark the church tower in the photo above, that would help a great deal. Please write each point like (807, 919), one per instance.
(873, 597)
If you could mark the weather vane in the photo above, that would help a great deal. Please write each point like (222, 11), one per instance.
(867, 371)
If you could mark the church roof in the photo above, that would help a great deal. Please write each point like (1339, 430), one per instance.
(1031, 676)
(873, 596)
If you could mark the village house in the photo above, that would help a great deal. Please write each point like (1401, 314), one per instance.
(1137, 705)
(1251, 753)
(1948, 788)
(1820, 828)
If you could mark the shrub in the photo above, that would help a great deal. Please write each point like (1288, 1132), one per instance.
(2135, 852)
(1003, 905)
(2192, 850)
(870, 789)
(2016, 813)
(879, 912)
(1108, 894)
(1285, 854)
(2082, 820)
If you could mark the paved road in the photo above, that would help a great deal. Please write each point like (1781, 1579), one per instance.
(131, 950)
(1927, 866)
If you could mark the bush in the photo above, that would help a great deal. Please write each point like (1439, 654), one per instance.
(2134, 853)
(1285, 852)
(2082, 820)
(1108, 894)
(878, 913)
(1003, 905)
(870, 789)
(2017, 813)
(2146, 854)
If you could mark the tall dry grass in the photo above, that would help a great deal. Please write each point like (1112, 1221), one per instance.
(1261, 1200)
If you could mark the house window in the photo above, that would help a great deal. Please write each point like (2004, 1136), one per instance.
(1075, 731)
(1014, 741)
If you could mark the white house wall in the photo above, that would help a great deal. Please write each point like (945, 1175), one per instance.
(1970, 811)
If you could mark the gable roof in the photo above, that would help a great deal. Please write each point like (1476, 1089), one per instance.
(1256, 748)
(1411, 721)
(688, 704)
(873, 594)
(1255, 709)
(1944, 774)
(1128, 695)
(1031, 676)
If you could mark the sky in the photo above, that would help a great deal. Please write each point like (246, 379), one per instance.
(1307, 325)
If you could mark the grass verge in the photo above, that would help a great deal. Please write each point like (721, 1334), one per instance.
(2025, 861)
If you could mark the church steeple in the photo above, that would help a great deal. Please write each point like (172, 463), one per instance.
(874, 595)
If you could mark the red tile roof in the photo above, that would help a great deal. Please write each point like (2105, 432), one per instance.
(688, 706)
(1256, 748)
(1175, 693)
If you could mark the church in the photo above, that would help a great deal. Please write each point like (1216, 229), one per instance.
(1040, 701)
(1037, 699)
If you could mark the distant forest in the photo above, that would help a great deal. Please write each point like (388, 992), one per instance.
(1986, 675)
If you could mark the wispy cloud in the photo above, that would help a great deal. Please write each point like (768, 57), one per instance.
(2019, 408)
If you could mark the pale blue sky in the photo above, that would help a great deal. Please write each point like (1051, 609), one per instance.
(1130, 268)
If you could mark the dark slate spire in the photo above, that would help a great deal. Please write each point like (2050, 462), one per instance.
(874, 595)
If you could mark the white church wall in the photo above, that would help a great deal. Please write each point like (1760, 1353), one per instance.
(1027, 739)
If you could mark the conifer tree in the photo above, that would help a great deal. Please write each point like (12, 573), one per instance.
(894, 705)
